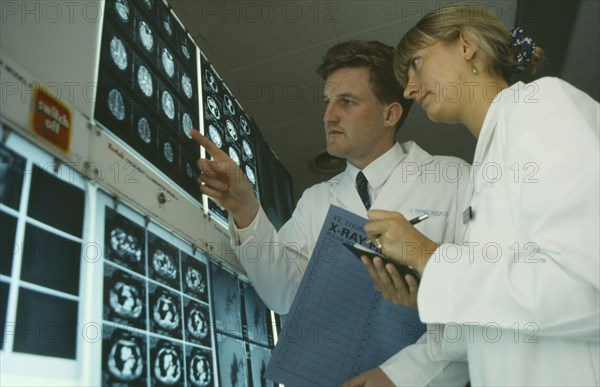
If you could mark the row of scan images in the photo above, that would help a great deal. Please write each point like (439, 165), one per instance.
(148, 87)
(227, 125)
(148, 95)
(132, 358)
(173, 317)
(151, 24)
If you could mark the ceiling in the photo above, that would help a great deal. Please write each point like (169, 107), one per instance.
(267, 53)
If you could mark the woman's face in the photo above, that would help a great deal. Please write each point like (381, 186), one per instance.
(437, 81)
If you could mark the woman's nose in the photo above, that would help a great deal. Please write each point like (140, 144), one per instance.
(411, 90)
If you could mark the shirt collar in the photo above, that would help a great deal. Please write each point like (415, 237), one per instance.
(380, 169)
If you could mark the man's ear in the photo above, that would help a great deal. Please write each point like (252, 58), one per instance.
(468, 44)
(393, 114)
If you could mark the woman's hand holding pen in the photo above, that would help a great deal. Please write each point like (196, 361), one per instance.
(399, 239)
(385, 229)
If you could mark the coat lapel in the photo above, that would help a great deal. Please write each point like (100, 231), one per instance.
(346, 194)
(483, 147)
(403, 177)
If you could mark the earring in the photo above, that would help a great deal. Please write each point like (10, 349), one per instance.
(473, 68)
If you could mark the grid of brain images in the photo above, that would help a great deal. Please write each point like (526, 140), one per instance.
(148, 87)
(156, 312)
(173, 317)
(227, 125)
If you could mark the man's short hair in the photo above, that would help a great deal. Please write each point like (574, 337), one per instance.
(378, 58)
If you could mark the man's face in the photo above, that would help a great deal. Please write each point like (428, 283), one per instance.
(354, 118)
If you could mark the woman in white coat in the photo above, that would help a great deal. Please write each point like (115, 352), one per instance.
(520, 296)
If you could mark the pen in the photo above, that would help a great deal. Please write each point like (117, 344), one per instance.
(418, 219)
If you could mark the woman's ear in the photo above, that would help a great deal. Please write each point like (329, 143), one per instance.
(468, 44)
(393, 114)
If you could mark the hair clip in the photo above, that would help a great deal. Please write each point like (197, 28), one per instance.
(526, 48)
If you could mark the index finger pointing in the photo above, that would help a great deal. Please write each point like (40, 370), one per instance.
(206, 143)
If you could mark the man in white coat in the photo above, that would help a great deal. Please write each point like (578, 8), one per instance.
(364, 109)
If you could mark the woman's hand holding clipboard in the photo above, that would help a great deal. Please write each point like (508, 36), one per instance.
(360, 250)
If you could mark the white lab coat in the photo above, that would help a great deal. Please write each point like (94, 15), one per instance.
(520, 298)
(418, 183)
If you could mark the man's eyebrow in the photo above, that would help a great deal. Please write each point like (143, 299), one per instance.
(342, 95)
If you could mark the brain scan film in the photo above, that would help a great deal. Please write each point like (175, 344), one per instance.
(168, 62)
(167, 366)
(200, 374)
(125, 245)
(146, 36)
(165, 312)
(118, 53)
(125, 300)
(168, 105)
(145, 81)
(116, 105)
(125, 360)
(122, 8)
(143, 130)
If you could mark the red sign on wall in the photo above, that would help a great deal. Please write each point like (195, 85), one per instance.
(51, 119)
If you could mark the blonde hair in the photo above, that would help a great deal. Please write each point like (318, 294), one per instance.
(446, 24)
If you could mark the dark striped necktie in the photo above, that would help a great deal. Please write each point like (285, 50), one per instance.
(362, 186)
